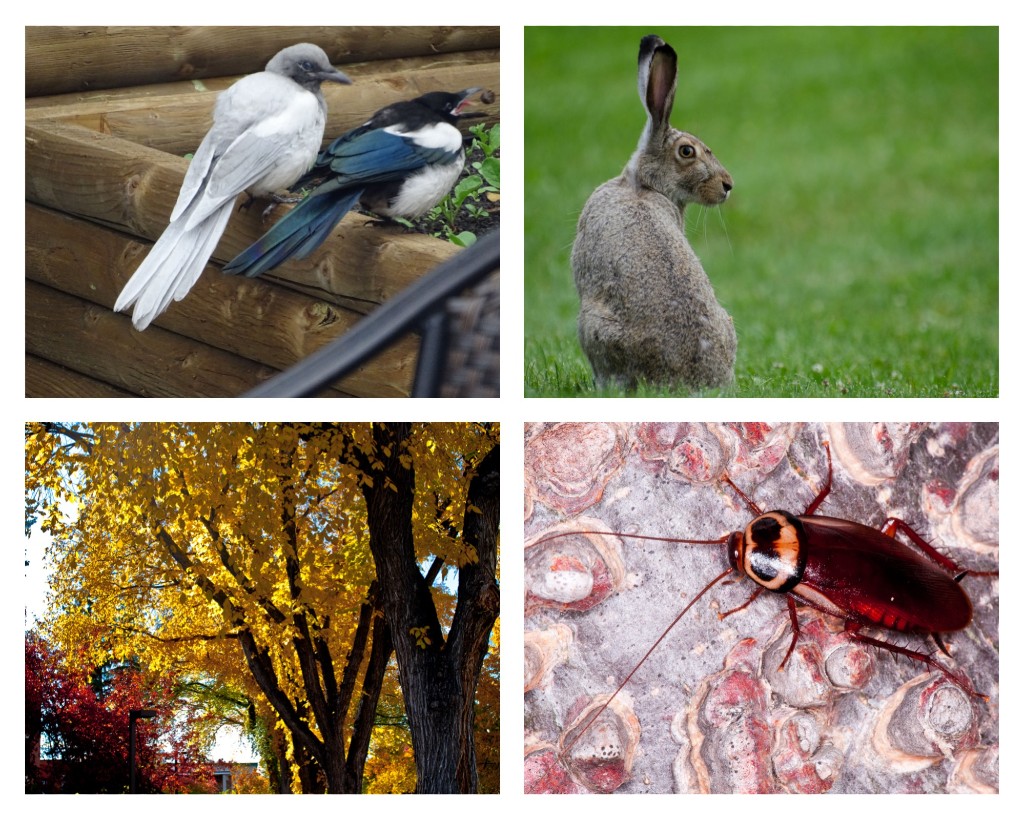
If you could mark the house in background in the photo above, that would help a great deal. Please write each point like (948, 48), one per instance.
(226, 773)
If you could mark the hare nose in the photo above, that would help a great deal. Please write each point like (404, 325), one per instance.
(727, 186)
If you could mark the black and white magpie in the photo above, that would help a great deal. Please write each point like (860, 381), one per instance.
(400, 163)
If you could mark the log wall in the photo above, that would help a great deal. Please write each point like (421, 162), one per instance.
(110, 115)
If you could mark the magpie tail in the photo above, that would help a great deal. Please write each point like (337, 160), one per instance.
(297, 235)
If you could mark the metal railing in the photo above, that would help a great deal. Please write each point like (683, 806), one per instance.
(419, 308)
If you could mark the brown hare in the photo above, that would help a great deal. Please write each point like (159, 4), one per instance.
(647, 309)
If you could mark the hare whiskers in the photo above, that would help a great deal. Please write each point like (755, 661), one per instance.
(725, 230)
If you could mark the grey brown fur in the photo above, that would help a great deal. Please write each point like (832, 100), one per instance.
(647, 309)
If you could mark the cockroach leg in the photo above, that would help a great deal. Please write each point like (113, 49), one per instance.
(822, 493)
(795, 624)
(853, 629)
(825, 490)
(754, 596)
(746, 498)
(894, 525)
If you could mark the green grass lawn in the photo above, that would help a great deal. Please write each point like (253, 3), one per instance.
(858, 253)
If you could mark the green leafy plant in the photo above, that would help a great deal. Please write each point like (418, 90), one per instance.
(482, 182)
(487, 139)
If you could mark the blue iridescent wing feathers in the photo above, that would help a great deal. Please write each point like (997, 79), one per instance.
(400, 163)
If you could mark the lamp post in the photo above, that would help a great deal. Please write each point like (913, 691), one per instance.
(133, 715)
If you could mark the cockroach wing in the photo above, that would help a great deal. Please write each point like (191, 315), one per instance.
(861, 573)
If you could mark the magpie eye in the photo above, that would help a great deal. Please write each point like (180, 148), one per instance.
(686, 151)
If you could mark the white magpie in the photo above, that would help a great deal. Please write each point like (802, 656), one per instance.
(400, 163)
(266, 132)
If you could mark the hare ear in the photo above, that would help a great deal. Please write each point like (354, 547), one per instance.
(656, 81)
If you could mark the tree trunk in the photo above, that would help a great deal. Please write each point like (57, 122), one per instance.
(279, 772)
(479, 605)
(438, 678)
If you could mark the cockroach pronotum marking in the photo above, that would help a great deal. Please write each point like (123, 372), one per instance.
(863, 575)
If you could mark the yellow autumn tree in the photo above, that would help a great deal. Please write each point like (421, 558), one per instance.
(253, 553)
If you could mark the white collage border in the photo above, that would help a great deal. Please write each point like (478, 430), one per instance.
(513, 410)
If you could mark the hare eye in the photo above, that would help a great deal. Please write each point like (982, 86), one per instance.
(687, 151)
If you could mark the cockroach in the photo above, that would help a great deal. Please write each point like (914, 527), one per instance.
(863, 575)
